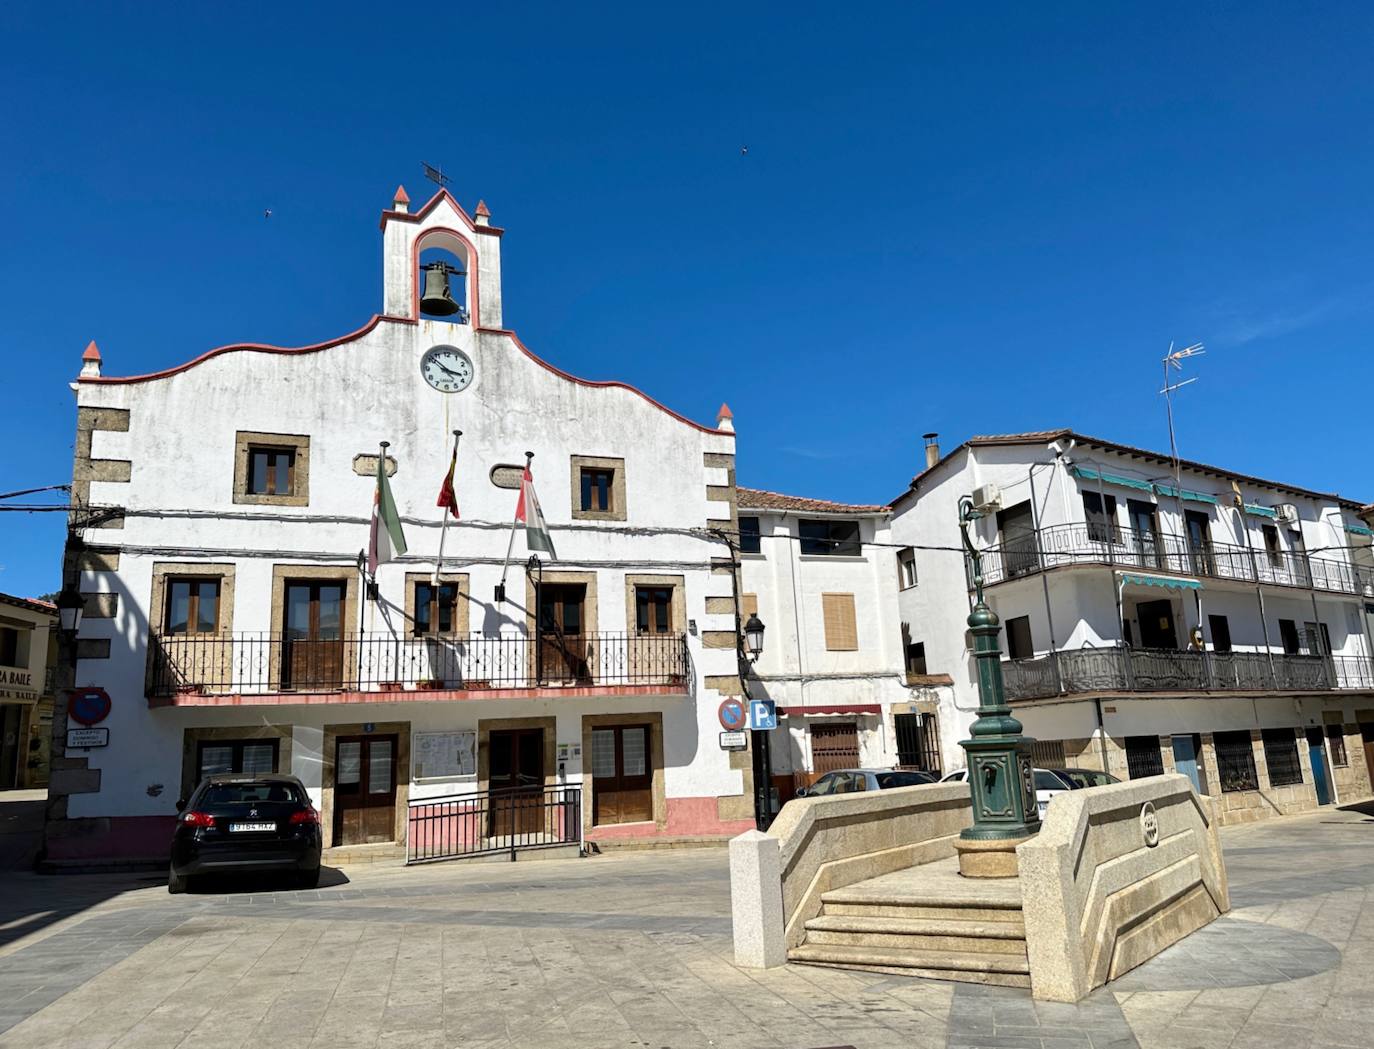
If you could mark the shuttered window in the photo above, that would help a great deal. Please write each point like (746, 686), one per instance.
(841, 630)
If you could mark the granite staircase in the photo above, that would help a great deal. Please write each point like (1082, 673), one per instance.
(923, 921)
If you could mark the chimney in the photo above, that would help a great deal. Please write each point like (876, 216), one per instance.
(90, 362)
(932, 448)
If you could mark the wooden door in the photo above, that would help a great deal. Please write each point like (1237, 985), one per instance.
(622, 775)
(313, 636)
(11, 749)
(1367, 739)
(1145, 532)
(563, 644)
(1016, 526)
(1199, 541)
(834, 746)
(515, 778)
(364, 789)
(1157, 629)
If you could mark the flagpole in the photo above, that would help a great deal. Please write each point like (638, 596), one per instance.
(443, 533)
(501, 587)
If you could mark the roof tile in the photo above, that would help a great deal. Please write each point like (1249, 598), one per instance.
(759, 499)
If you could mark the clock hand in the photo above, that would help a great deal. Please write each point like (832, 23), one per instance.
(449, 370)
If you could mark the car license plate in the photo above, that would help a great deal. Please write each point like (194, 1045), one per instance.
(235, 828)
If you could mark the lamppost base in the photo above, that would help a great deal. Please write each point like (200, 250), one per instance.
(988, 859)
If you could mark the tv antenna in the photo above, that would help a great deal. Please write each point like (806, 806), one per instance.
(1174, 359)
(435, 175)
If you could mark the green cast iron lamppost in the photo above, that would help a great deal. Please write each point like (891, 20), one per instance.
(999, 757)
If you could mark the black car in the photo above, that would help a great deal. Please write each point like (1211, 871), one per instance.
(249, 824)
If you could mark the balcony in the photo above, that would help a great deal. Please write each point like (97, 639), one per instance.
(189, 669)
(1088, 544)
(1161, 670)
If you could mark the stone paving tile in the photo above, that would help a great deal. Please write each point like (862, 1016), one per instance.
(600, 953)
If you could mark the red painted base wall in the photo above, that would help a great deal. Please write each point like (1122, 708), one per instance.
(113, 838)
(687, 817)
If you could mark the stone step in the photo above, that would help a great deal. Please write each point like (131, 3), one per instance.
(941, 965)
(1000, 937)
(877, 907)
(986, 979)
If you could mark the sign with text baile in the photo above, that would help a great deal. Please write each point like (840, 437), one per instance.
(88, 705)
(763, 714)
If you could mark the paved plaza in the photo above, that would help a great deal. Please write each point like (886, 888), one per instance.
(633, 949)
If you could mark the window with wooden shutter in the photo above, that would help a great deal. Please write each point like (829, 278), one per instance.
(841, 630)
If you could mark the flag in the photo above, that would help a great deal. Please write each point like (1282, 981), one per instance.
(528, 513)
(387, 539)
(447, 497)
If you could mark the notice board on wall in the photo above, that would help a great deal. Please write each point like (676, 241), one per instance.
(445, 755)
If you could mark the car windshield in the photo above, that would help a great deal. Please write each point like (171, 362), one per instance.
(1081, 778)
(249, 793)
(902, 779)
(1049, 781)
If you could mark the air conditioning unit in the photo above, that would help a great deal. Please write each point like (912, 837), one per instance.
(987, 497)
(1287, 514)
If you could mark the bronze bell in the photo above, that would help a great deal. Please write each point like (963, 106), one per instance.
(437, 300)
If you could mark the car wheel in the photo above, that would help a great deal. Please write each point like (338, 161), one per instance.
(176, 882)
(308, 879)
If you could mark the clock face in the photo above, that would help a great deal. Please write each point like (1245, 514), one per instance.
(446, 368)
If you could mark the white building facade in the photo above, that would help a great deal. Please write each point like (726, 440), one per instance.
(820, 575)
(1209, 622)
(231, 625)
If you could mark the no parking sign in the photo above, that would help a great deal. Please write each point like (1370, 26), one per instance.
(732, 715)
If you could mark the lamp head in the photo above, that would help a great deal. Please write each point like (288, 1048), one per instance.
(70, 608)
(753, 636)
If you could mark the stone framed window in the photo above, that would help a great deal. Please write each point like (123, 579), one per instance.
(437, 609)
(598, 488)
(271, 469)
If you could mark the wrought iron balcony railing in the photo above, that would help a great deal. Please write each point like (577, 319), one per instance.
(1162, 670)
(260, 664)
(1098, 544)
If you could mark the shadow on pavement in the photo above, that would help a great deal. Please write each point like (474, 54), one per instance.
(248, 884)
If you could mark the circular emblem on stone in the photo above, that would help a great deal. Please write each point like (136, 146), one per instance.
(1149, 825)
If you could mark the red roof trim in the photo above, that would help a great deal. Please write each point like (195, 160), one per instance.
(255, 347)
(833, 708)
(418, 216)
(377, 319)
(599, 383)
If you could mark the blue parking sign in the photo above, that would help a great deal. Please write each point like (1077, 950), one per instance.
(763, 714)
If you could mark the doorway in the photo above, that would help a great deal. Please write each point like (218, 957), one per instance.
(312, 635)
(1316, 752)
(1016, 526)
(834, 746)
(563, 644)
(1187, 752)
(622, 774)
(516, 781)
(1157, 629)
(1199, 543)
(1145, 531)
(11, 720)
(1367, 740)
(364, 789)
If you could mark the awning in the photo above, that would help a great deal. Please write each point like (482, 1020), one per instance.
(831, 708)
(1188, 496)
(1087, 474)
(1260, 511)
(1168, 582)
(1359, 530)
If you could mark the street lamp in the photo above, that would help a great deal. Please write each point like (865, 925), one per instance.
(1000, 773)
(749, 650)
(70, 608)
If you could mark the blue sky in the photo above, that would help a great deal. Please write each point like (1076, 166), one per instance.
(948, 219)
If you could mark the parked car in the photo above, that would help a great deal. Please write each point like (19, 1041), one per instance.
(1081, 778)
(849, 781)
(1048, 783)
(247, 824)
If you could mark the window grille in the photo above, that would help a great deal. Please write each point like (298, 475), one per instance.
(918, 742)
(1335, 735)
(1048, 754)
(1281, 756)
(1235, 761)
(1143, 757)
